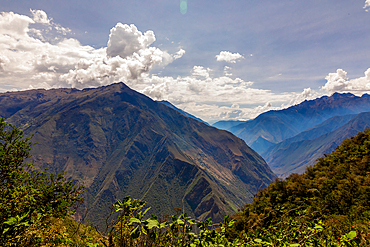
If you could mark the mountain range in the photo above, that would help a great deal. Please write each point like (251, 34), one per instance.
(294, 138)
(120, 142)
(294, 155)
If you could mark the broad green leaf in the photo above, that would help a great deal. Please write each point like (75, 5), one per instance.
(134, 220)
(163, 225)
(318, 227)
(258, 240)
(11, 221)
(152, 223)
(351, 234)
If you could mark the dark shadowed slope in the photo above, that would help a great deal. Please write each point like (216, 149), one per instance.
(120, 142)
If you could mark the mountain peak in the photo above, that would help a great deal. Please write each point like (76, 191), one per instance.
(342, 95)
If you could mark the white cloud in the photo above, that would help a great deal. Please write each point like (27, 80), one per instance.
(212, 98)
(213, 112)
(179, 54)
(367, 5)
(125, 40)
(306, 94)
(39, 16)
(200, 71)
(28, 60)
(339, 82)
(228, 56)
(227, 71)
(14, 25)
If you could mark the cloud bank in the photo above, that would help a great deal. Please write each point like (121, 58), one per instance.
(29, 60)
(36, 52)
(217, 98)
(339, 82)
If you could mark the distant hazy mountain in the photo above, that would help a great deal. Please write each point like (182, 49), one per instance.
(165, 102)
(325, 127)
(227, 124)
(273, 127)
(120, 142)
(295, 154)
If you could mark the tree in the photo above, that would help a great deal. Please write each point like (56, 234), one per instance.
(29, 196)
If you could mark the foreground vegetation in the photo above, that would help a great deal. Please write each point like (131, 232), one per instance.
(329, 205)
(329, 201)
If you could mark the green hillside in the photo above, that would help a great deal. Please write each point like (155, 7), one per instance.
(333, 196)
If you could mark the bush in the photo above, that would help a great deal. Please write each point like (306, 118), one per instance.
(29, 197)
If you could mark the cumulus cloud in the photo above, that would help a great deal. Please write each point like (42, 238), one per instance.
(339, 82)
(125, 40)
(228, 56)
(39, 16)
(200, 71)
(29, 60)
(367, 5)
(306, 94)
(14, 25)
(227, 71)
(179, 54)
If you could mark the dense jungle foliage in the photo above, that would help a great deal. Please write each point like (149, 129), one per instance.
(329, 205)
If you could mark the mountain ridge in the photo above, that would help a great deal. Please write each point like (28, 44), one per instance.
(295, 119)
(121, 142)
(294, 157)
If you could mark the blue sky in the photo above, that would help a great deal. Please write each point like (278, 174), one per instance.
(215, 59)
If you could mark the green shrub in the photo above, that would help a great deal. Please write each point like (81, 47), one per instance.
(29, 197)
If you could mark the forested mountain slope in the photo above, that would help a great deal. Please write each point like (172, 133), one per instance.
(327, 201)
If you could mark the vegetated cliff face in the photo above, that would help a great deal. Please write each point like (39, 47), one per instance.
(120, 142)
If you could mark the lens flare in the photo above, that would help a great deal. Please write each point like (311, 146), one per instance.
(183, 6)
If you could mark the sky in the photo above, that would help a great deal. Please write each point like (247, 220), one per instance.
(218, 60)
